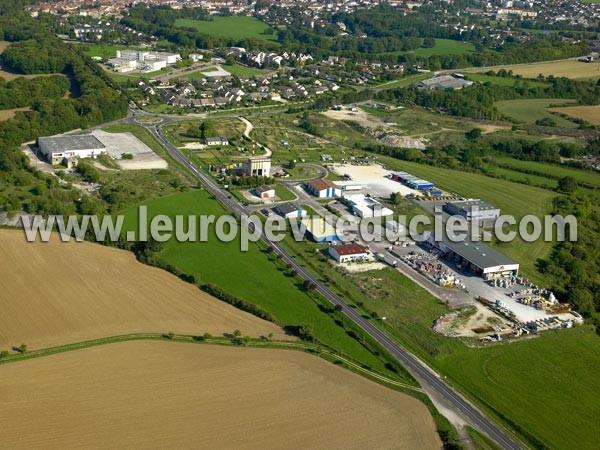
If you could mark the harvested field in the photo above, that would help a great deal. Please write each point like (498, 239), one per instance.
(590, 114)
(567, 68)
(157, 394)
(58, 293)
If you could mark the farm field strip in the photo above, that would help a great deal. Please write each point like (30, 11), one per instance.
(569, 68)
(550, 169)
(590, 114)
(308, 401)
(109, 294)
(530, 110)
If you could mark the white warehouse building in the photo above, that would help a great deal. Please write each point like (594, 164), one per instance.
(364, 207)
(58, 148)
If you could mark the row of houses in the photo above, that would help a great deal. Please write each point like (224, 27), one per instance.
(225, 91)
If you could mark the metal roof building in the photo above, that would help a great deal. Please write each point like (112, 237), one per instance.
(443, 83)
(57, 148)
(289, 210)
(348, 252)
(472, 209)
(478, 256)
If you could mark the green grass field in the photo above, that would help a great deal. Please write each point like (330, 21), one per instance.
(501, 81)
(233, 27)
(530, 110)
(249, 275)
(284, 193)
(519, 177)
(547, 385)
(551, 169)
(243, 71)
(480, 441)
(446, 47)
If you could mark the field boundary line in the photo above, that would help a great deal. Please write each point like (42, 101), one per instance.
(281, 345)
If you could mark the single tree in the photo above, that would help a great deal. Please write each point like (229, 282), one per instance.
(567, 184)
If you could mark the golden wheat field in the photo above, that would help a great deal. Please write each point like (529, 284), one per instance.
(566, 68)
(159, 394)
(590, 114)
(57, 293)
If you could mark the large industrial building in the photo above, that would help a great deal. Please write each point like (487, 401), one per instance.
(444, 83)
(257, 166)
(364, 207)
(128, 60)
(478, 257)
(472, 210)
(59, 148)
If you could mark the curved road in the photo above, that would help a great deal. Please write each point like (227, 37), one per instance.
(429, 380)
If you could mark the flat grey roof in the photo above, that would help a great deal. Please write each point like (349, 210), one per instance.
(71, 142)
(287, 208)
(478, 253)
(468, 205)
(445, 81)
(263, 188)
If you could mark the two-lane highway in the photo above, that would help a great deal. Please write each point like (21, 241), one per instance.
(429, 380)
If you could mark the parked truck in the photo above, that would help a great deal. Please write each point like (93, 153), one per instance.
(388, 259)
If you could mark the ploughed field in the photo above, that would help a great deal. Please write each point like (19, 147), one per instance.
(59, 293)
(160, 394)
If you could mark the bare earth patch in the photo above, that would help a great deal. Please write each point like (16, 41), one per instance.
(6, 114)
(118, 144)
(156, 394)
(58, 293)
(362, 117)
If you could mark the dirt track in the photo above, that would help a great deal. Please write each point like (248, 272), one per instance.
(57, 293)
(156, 394)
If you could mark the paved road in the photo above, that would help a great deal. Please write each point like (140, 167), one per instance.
(429, 380)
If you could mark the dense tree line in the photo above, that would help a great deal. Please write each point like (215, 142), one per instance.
(477, 101)
(574, 266)
(35, 56)
(22, 92)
